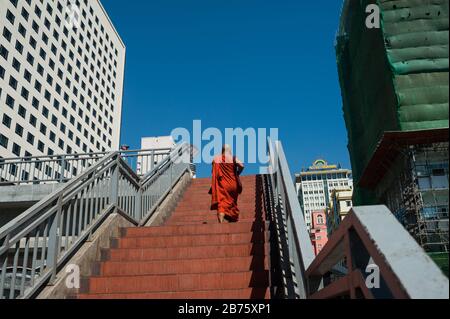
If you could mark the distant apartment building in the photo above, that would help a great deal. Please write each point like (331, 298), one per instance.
(316, 184)
(340, 205)
(395, 82)
(318, 232)
(61, 79)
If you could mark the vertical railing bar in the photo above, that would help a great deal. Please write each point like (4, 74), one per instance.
(92, 206)
(115, 184)
(54, 240)
(42, 266)
(69, 212)
(128, 189)
(107, 188)
(62, 169)
(87, 205)
(3, 275)
(60, 227)
(35, 254)
(123, 192)
(99, 199)
(25, 265)
(102, 189)
(119, 191)
(82, 211)
(75, 216)
(12, 287)
(129, 204)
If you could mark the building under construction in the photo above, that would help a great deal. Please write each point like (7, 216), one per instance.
(395, 90)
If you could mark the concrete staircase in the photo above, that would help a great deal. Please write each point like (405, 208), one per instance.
(192, 256)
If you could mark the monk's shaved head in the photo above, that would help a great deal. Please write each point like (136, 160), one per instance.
(226, 149)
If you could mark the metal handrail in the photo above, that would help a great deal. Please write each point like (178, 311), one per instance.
(368, 238)
(30, 213)
(382, 261)
(297, 251)
(91, 154)
(64, 167)
(47, 234)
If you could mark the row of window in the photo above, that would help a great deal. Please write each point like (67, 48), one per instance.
(60, 8)
(56, 104)
(324, 176)
(68, 83)
(10, 101)
(62, 59)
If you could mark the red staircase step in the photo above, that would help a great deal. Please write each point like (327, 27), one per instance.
(210, 213)
(205, 206)
(211, 251)
(210, 219)
(192, 230)
(178, 282)
(239, 294)
(183, 266)
(191, 240)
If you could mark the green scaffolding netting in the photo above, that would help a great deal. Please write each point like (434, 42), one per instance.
(394, 78)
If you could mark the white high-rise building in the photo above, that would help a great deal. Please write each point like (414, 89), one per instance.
(61, 78)
(315, 185)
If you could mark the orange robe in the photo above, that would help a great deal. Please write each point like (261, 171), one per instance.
(225, 187)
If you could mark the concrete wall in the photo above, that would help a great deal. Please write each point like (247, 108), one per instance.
(86, 257)
(14, 200)
(166, 208)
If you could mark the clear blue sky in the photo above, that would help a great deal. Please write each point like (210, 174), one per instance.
(234, 63)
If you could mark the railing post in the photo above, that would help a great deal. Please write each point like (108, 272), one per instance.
(53, 242)
(171, 176)
(139, 212)
(115, 185)
(152, 160)
(62, 169)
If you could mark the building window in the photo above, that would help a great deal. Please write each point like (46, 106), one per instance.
(16, 65)
(19, 130)
(33, 120)
(3, 141)
(3, 52)
(27, 76)
(320, 219)
(13, 83)
(30, 138)
(10, 17)
(22, 111)
(41, 146)
(7, 34)
(6, 121)
(16, 149)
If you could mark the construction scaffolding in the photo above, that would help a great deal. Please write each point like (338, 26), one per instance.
(393, 79)
(419, 195)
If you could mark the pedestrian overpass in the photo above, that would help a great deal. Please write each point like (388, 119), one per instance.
(130, 233)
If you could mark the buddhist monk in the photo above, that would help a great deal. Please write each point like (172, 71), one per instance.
(226, 185)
